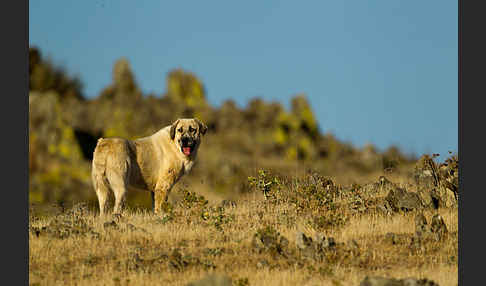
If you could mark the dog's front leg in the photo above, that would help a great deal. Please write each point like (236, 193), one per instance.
(160, 196)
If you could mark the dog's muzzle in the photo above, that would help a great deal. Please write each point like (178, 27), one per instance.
(187, 146)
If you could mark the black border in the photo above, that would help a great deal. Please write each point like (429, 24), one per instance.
(15, 136)
(471, 89)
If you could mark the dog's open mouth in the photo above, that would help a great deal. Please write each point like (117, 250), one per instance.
(187, 148)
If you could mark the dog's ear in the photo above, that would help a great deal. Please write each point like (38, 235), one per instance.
(202, 127)
(173, 129)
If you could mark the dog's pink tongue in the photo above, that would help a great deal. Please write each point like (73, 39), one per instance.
(186, 150)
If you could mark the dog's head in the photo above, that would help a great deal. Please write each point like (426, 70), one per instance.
(187, 134)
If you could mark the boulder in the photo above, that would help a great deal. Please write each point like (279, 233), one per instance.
(382, 281)
(437, 230)
(314, 249)
(212, 280)
(269, 240)
(401, 200)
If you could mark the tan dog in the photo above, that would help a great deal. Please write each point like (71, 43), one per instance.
(154, 163)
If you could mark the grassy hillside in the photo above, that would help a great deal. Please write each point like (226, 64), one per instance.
(64, 127)
(273, 199)
(285, 231)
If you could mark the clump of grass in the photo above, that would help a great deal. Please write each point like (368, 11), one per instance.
(265, 183)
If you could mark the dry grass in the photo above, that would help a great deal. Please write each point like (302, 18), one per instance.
(222, 243)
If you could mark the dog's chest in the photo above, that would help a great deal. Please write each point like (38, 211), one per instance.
(176, 171)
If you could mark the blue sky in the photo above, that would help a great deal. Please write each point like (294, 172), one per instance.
(380, 72)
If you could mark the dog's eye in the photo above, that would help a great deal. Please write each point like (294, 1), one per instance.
(191, 129)
(179, 130)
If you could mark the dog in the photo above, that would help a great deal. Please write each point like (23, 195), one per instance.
(154, 163)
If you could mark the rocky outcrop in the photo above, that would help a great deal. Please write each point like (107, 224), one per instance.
(382, 281)
(314, 249)
(401, 200)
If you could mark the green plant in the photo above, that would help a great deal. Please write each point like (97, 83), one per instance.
(191, 199)
(265, 184)
(216, 217)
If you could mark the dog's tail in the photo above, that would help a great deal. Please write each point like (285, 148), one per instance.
(98, 166)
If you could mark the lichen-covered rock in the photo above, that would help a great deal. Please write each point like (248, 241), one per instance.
(269, 240)
(441, 181)
(436, 231)
(314, 249)
(438, 227)
(383, 281)
(401, 200)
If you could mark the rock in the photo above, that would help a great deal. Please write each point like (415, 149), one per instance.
(401, 200)
(326, 242)
(431, 198)
(448, 195)
(418, 282)
(384, 208)
(284, 243)
(385, 184)
(382, 281)
(421, 227)
(213, 280)
(436, 231)
(314, 249)
(269, 240)
(302, 241)
(438, 227)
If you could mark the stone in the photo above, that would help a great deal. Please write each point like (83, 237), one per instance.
(382, 281)
(212, 280)
(421, 226)
(436, 231)
(314, 249)
(401, 200)
(302, 241)
(438, 227)
(269, 240)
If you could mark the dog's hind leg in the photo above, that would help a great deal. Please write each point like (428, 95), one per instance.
(119, 189)
(102, 191)
(118, 183)
(101, 188)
